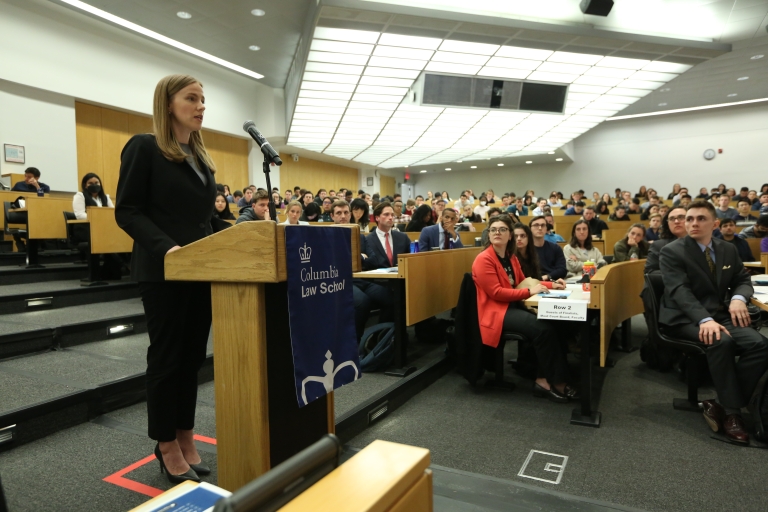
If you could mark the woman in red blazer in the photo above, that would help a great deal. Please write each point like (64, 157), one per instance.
(496, 272)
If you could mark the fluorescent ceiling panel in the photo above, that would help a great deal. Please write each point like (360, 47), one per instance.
(347, 35)
(377, 129)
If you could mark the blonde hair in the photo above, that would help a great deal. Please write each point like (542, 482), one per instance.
(170, 148)
(292, 204)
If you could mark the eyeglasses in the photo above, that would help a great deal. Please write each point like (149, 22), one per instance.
(535, 226)
(679, 218)
(493, 231)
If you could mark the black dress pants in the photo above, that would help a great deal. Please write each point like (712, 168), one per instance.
(179, 322)
(734, 381)
(551, 347)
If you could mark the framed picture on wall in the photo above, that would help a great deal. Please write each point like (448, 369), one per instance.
(14, 153)
(368, 181)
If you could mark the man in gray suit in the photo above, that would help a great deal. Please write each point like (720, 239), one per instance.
(700, 274)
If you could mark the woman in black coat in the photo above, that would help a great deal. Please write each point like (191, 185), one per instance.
(178, 312)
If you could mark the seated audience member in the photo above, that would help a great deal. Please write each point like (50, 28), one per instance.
(491, 196)
(332, 194)
(359, 210)
(763, 201)
(247, 200)
(698, 272)
(325, 205)
(672, 227)
(228, 194)
(626, 198)
(632, 246)
(619, 214)
(307, 198)
(654, 208)
(551, 236)
(743, 208)
(601, 208)
(664, 209)
(554, 201)
(259, 210)
(541, 207)
(634, 206)
(492, 213)
(731, 192)
(595, 197)
(410, 207)
(288, 197)
(675, 191)
(401, 217)
(321, 194)
(279, 204)
(576, 209)
(684, 201)
(758, 230)
(642, 192)
(497, 272)
(580, 249)
(728, 232)
(297, 195)
(596, 226)
(221, 207)
(481, 210)
(236, 196)
(348, 196)
(703, 194)
(438, 209)
(506, 201)
(422, 218)
(342, 215)
(31, 183)
(469, 216)
(462, 201)
(723, 210)
(293, 214)
(551, 260)
(442, 235)
(91, 195)
(311, 213)
(752, 196)
(419, 201)
(606, 198)
(652, 233)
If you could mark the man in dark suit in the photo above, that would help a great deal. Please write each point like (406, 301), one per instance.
(382, 247)
(442, 235)
(700, 273)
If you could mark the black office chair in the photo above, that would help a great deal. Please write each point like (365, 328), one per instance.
(13, 218)
(474, 358)
(72, 240)
(695, 352)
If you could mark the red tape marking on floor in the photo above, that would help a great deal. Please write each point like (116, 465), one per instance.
(119, 479)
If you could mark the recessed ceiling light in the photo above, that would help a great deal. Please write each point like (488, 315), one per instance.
(558, 159)
(254, 48)
(447, 168)
(183, 15)
(551, 153)
(500, 165)
(742, 78)
(666, 89)
(732, 95)
(529, 161)
(662, 104)
(258, 12)
(423, 171)
(755, 57)
(459, 161)
(473, 167)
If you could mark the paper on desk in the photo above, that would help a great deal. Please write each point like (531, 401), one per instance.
(383, 270)
(556, 293)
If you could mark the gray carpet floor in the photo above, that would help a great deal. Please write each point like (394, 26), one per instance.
(43, 287)
(73, 314)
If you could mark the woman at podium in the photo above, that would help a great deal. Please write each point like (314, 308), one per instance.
(178, 312)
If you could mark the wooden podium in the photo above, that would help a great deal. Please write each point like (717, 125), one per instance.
(258, 421)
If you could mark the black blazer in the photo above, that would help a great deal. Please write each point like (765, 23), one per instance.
(144, 210)
(691, 292)
(377, 255)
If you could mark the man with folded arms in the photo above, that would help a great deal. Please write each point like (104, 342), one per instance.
(551, 257)
(700, 273)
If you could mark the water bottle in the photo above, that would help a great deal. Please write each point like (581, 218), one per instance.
(40, 192)
(450, 244)
(414, 247)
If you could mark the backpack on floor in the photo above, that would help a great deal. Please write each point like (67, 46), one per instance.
(377, 347)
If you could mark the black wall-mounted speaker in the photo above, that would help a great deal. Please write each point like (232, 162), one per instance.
(596, 7)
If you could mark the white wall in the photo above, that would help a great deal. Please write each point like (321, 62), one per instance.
(654, 151)
(43, 122)
(52, 48)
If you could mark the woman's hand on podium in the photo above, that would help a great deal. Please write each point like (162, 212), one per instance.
(174, 248)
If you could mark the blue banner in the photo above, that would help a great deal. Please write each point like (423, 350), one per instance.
(321, 308)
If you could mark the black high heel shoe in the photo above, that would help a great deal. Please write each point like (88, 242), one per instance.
(175, 479)
(200, 469)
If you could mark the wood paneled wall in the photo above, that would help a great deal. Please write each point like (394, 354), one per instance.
(102, 133)
(314, 175)
(387, 186)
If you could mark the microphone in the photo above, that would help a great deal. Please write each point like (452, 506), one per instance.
(266, 148)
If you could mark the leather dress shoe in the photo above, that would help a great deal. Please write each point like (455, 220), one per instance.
(733, 425)
(714, 414)
(572, 392)
(552, 394)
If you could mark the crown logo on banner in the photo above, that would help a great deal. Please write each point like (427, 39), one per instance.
(305, 253)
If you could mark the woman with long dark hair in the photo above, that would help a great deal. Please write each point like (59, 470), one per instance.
(601, 208)
(675, 191)
(172, 158)
(221, 205)
(359, 208)
(91, 194)
(580, 249)
(633, 246)
(525, 251)
(421, 218)
(497, 273)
